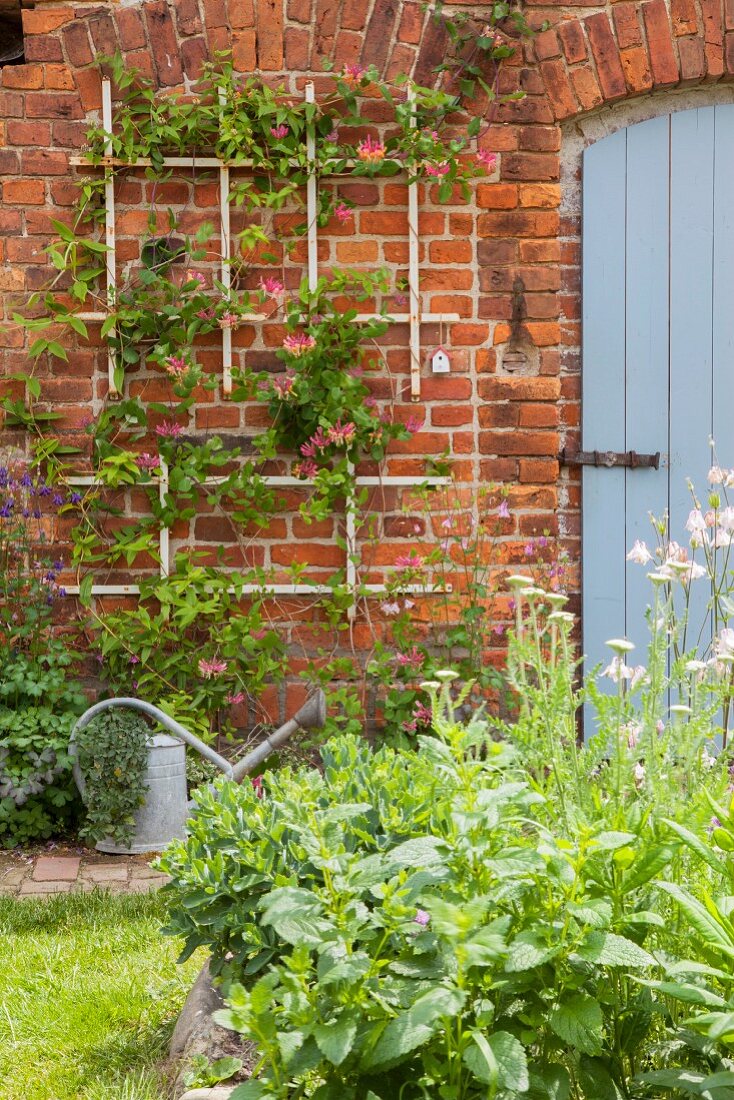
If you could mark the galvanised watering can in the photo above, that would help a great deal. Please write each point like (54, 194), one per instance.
(162, 817)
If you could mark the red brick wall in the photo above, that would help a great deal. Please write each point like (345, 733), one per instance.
(501, 423)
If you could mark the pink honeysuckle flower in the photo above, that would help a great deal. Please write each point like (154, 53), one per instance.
(437, 170)
(333, 136)
(370, 402)
(353, 73)
(197, 277)
(298, 343)
(414, 424)
(284, 386)
(235, 698)
(317, 442)
(148, 461)
(343, 212)
(409, 561)
(228, 319)
(280, 131)
(487, 159)
(206, 314)
(212, 669)
(390, 607)
(169, 429)
(307, 468)
(371, 151)
(176, 366)
(422, 713)
(257, 786)
(413, 659)
(432, 134)
(272, 287)
(341, 433)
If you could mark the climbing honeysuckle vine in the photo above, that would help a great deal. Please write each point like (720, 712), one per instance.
(324, 419)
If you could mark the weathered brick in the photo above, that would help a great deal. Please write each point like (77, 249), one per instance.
(104, 36)
(662, 56)
(606, 56)
(713, 38)
(571, 35)
(162, 38)
(587, 90)
(46, 20)
(627, 25)
(130, 28)
(683, 16)
(269, 15)
(22, 76)
(559, 89)
(546, 45)
(635, 64)
(692, 60)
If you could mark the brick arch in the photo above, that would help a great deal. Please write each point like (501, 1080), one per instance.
(636, 48)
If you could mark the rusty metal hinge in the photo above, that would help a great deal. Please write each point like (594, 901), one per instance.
(631, 459)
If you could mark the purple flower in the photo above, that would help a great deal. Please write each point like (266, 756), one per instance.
(504, 510)
(74, 498)
(58, 500)
(421, 917)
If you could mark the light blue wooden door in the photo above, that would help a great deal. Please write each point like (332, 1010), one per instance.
(658, 347)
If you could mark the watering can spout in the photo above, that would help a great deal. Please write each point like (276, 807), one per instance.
(311, 716)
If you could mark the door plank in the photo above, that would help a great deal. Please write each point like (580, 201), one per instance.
(691, 332)
(603, 392)
(647, 350)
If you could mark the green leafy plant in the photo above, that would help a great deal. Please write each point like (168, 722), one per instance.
(204, 1074)
(112, 751)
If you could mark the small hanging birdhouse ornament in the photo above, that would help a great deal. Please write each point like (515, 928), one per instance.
(440, 362)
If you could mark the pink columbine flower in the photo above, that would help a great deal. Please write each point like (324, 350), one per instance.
(280, 131)
(228, 319)
(272, 287)
(146, 461)
(206, 314)
(341, 433)
(487, 159)
(421, 917)
(353, 73)
(176, 366)
(298, 343)
(213, 668)
(409, 561)
(414, 424)
(438, 170)
(284, 386)
(169, 429)
(307, 468)
(235, 698)
(343, 212)
(371, 151)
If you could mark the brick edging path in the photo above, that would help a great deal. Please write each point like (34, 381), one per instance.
(38, 875)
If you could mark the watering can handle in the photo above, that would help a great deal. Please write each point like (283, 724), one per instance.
(147, 708)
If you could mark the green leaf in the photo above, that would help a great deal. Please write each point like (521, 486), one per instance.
(85, 590)
(527, 951)
(578, 1021)
(551, 1082)
(684, 991)
(413, 1028)
(608, 949)
(498, 1060)
(700, 918)
(336, 1039)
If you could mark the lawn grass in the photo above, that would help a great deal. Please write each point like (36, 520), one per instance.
(89, 993)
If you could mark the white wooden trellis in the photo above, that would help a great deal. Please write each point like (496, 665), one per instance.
(267, 588)
(415, 317)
